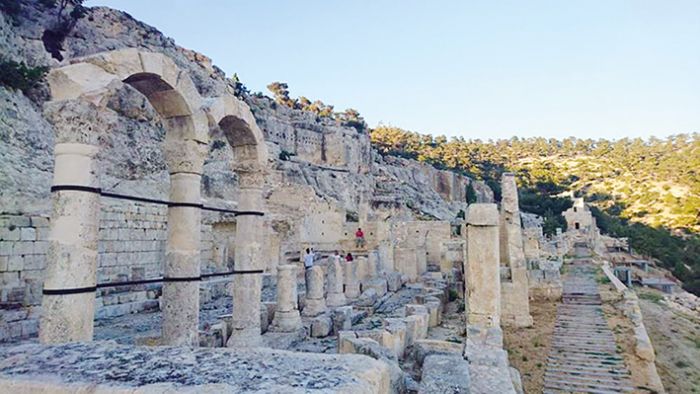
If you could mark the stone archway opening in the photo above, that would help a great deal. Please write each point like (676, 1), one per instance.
(236, 123)
(78, 95)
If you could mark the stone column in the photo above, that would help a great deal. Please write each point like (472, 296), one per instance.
(483, 280)
(352, 284)
(182, 250)
(247, 285)
(361, 268)
(372, 264)
(315, 302)
(335, 296)
(287, 318)
(72, 258)
(515, 305)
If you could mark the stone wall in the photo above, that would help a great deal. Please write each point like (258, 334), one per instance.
(131, 247)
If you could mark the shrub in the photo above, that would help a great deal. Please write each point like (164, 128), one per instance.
(19, 76)
(453, 295)
(653, 297)
(284, 155)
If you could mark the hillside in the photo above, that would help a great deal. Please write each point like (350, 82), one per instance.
(648, 190)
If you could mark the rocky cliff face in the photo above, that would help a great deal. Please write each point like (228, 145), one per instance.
(320, 159)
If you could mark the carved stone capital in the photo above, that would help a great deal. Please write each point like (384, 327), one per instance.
(74, 121)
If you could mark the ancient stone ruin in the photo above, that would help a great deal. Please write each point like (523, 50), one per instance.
(163, 248)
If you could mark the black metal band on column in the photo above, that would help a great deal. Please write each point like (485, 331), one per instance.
(75, 188)
(182, 279)
(91, 289)
(108, 194)
(246, 272)
(250, 213)
(185, 205)
(77, 290)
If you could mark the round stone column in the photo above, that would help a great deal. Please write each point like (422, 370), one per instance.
(287, 318)
(335, 295)
(182, 264)
(372, 264)
(248, 264)
(352, 284)
(315, 302)
(68, 304)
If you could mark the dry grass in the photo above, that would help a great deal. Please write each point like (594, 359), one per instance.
(528, 347)
(676, 339)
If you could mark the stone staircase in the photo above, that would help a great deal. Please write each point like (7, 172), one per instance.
(584, 357)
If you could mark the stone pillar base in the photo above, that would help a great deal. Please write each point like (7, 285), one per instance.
(286, 321)
(314, 307)
(483, 335)
(246, 337)
(517, 321)
(336, 299)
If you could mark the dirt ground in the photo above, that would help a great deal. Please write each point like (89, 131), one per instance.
(676, 340)
(623, 329)
(528, 347)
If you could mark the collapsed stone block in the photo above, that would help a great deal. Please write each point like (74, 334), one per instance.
(380, 335)
(341, 319)
(398, 330)
(415, 325)
(422, 318)
(393, 280)
(423, 348)
(444, 374)
(321, 327)
(434, 309)
(378, 284)
(371, 348)
(368, 298)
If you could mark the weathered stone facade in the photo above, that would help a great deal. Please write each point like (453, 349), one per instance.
(162, 176)
(515, 306)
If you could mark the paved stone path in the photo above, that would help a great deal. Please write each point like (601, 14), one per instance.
(584, 357)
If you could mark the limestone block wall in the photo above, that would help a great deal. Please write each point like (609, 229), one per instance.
(131, 247)
(531, 243)
(23, 245)
(427, 234)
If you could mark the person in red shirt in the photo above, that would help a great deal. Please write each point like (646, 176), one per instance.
(359, 238)
(348, 257)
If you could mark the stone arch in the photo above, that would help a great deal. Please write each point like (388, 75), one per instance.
(236, 122)
(78, 92)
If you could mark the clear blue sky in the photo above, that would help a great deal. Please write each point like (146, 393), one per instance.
(478, 69)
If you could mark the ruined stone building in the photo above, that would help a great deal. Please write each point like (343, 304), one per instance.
(150, 217)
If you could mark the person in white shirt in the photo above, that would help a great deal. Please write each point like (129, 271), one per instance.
(308, 259)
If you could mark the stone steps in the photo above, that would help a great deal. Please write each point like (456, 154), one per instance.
(583, 356)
